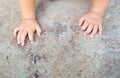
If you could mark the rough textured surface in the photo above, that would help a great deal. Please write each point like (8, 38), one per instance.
(61, 51)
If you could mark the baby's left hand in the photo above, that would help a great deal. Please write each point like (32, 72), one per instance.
(91, 24)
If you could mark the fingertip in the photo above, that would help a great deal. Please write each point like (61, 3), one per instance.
(32, 41)
(18, 38)
(39, 31)
(30, 35)
(81, 21)
(23, 44)
(15, 34)
(91, 36)
(38, 34)
(18, 42)
(85, 34)
(100, 33)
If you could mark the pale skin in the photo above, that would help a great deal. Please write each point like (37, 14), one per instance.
(91, 22)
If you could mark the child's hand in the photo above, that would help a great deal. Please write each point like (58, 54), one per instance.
(91, 23)
(27, 27)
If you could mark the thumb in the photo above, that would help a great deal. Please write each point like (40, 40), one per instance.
(81, 20)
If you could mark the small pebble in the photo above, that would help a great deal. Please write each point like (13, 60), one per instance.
(37, 57)
(7, 57)
(33, 62)
(36, 75)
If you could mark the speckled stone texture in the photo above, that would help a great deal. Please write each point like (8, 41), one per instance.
(61, 51)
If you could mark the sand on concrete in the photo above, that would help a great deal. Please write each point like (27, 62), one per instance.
(61, 51)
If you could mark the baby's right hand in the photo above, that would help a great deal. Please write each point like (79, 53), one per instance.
(27, 28)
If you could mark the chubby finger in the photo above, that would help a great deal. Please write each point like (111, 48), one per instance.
(84, 26)
(30, 36)
(89, 29)
(100, 30)
(22, 39)
(95, 29)
(81, 20)
(18, 37)
(15, 31)
(38, 30)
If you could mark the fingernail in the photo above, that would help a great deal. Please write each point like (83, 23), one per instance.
(31, 41)
(38, 34)
(22, 44)
(18, 42)
(92, 36)
(100, 34)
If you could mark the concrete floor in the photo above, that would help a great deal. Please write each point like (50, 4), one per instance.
(61, 51)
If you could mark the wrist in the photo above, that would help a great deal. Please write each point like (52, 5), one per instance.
(28, 19)
(97, 13)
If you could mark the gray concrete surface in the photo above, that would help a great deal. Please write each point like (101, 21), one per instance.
(61, 51)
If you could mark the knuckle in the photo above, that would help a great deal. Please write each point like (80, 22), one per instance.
(90, 21)
(28, 29)
(95, 27)
(30, 33)
(21, 30)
